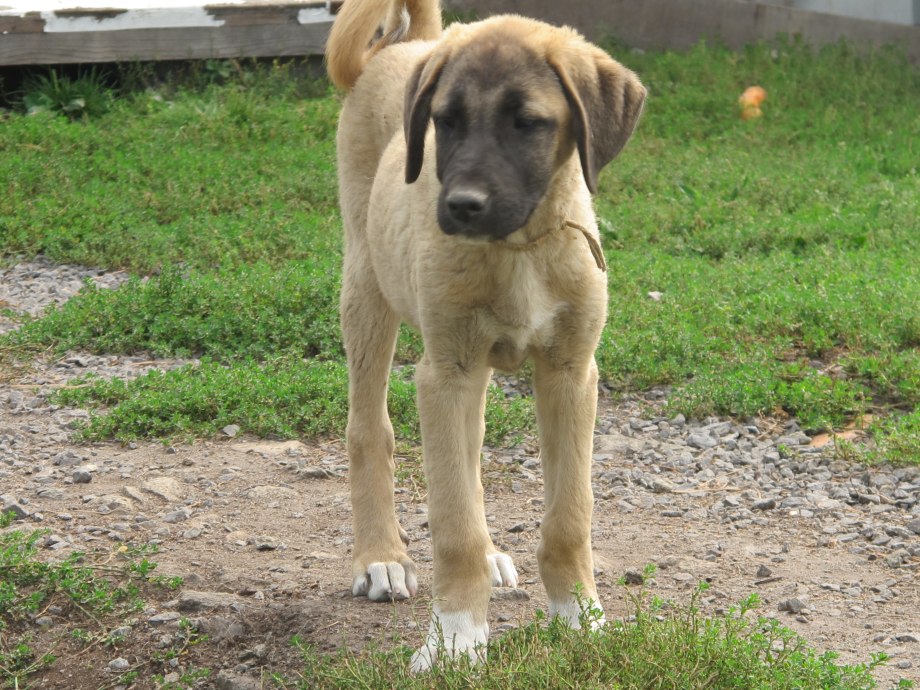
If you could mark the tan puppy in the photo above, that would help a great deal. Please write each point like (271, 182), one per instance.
(479, 232)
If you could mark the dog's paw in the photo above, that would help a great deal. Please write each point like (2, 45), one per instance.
(576, 612)
(386, 582)
(451, 634)
(502, 570)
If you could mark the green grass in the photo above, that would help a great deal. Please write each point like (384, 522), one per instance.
(87, 595)
(663, 646)
(286, 397)
(786, 248)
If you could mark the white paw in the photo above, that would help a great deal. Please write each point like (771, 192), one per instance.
(386, 582)
(452, 634)
(502, 569)
(571, 612)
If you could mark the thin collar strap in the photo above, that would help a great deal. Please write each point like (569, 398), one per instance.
(595, 246)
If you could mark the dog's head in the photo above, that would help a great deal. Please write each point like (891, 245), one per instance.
(512, 100)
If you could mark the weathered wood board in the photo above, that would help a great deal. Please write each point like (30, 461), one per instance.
(69, 31)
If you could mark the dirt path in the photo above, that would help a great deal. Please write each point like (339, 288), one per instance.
(260, 531)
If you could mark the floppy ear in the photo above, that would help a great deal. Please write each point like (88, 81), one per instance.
(419, 92)
(606, 100)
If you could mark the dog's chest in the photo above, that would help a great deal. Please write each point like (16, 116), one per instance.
(522, 303)
(521, 314)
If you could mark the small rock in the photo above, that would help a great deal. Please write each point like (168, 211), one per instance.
(9, 505)
(180, 515)
(792, 606)
(82, 476)
(119, 634)
(509, 594)
(164, 618)
(167, 488)
(118, 665)
(265, 542)
(229, 680)
(914, 526)
(908, 637)
(231, 430)
(702, 441)
(520, 527)
(192, 601)
(67, 457)
(662, 486)
(634, 577)
(764, 504)
(764, 571)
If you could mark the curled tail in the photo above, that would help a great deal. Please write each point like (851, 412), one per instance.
(351, 42)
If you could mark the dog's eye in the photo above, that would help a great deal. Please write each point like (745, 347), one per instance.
(528, 124)
(445, 122)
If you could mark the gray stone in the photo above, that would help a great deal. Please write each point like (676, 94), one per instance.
(231, 430)
(509, 594)
(265, 542)
(68, 457)
(118, 665)
(82, 476)
(167, 488)
(764, 504)
(175, 516)
(192, 601)
(792, 606)
(9, 505)
(230, 680)
(633, 577)
(702, 441)
(661, 486)
(164, 618)
(796, 439)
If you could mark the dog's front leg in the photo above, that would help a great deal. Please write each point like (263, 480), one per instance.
(451, 397)
(566, 400)
(381, 567)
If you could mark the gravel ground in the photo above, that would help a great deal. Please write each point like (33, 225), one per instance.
(832, 547)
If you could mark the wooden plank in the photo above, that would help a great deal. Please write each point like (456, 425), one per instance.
(193, 43)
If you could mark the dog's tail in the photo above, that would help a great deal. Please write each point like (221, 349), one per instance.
(351, 42)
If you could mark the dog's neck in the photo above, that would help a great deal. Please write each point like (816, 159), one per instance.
(556, 213)
(567, 193)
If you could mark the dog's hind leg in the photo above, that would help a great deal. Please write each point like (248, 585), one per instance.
(566, 400)
(382, 568)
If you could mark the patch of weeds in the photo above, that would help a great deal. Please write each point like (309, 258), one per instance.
(663, 645)
(86, 95)
(18, 661)
(751, 389)
(186, 638)
(897, 439)
(89, 593)
(256, 311)
(286, 397)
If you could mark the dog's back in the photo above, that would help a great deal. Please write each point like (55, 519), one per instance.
(373, 109)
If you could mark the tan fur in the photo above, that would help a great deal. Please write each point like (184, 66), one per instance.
(349, 46)
(478, 304)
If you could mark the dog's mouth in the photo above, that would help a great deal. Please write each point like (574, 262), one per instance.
(475, 212)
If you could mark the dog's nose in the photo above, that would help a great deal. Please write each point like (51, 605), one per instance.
(466, 204)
